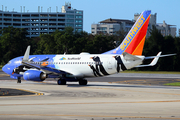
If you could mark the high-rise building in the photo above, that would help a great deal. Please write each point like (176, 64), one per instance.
(164, 28)
(111, 26)
(40, 22)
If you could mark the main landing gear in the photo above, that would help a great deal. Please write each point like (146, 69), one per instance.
(61, 82)
(83, 82)
(19, 80)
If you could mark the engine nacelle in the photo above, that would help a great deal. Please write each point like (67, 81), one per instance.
(34, 75)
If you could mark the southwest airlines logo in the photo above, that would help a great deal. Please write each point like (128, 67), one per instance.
(63, 58)
(132, 33)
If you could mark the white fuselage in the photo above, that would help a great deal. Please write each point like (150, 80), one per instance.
(92, 65)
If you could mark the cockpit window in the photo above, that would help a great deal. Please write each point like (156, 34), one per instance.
(9, 62)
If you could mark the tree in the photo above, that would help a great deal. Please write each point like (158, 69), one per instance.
(99, 43)
(13, 42)
(65, 40)
(176, 60)
(167, 47)
(120, 35)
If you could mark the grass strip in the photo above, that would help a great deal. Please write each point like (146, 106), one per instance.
(173, 84)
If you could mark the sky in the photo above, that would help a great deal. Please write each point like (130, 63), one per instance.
(98, 10)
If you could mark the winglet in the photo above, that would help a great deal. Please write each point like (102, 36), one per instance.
(154, 61)
(26, 55)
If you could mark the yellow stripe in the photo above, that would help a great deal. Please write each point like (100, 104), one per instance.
(35, 93)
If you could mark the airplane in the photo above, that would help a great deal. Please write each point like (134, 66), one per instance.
(77, 67)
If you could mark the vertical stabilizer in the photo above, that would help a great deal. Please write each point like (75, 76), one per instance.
(134, 40)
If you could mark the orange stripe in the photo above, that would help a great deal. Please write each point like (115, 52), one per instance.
(139, 48)
(45, 63)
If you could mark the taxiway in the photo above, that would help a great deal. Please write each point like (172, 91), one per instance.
(96, 101)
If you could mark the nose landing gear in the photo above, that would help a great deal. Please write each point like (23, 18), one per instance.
(19, 80)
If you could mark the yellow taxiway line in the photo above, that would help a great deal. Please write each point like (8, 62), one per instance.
(35, 93)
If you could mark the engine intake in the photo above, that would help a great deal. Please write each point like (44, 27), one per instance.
(34, 75)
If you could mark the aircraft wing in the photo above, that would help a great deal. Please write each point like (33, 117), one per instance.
(47, 70)
(26, 61)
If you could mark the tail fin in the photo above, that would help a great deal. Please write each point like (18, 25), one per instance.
(134, 40)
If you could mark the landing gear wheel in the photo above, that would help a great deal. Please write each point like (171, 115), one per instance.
(19, 80)
(83, 82)
(61, 82)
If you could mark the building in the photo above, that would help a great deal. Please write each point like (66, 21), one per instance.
(37, 23)
(111, 26)
(164, 28)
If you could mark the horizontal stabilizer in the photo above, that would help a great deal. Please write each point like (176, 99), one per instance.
(154, 61)
(128, 56)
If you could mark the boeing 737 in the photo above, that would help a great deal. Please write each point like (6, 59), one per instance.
(77, 67)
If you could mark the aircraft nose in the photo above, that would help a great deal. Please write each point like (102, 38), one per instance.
(6, 69)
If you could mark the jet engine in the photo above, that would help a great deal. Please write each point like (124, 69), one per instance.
(34, 75)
